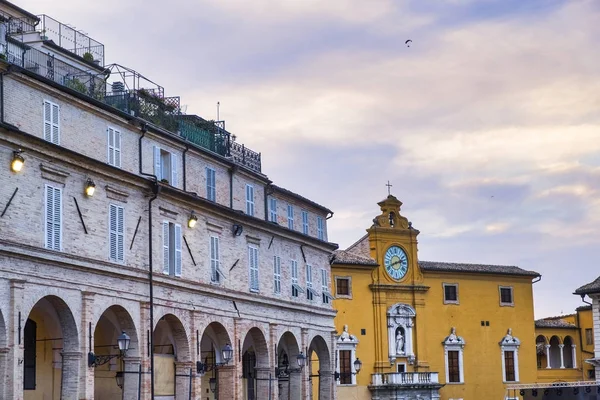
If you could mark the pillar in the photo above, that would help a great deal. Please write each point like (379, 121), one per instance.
(87, 374)
(226, 382)
(70, 375)
(3, 356)
(294, 386)
(548, 356)
(144, 351)
(264, 383)
(14, 359)
(131, 377)
(182, 380)
(325, 385)
(562, 356)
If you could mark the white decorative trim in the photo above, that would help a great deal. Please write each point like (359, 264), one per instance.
(512, 296)
(346, 341)
(400, 333)
(343, 296)
(507, 344)
(457, 301)
(453, 342)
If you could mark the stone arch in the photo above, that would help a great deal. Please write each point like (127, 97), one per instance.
(568, 352)
(288, 377)
(255, 365)
(51, 348)
(540, 348)
(213, 339)
(555, 351)
(318, 347)
(169, 330)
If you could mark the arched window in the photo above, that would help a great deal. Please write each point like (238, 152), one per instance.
(569, 352)
(509, 346)
(540, 348)
(554, 352)
(453, 354)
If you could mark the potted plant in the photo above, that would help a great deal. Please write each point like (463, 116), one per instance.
(163, 180)
(88, 57)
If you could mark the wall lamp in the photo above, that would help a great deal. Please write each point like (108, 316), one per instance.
(119, 378)
(17, 162)
(212, 382)
(357, 366)
(204, 367)
(90, 187)
(192, 220)
(122, 341)
(237, 229)
(300, 359)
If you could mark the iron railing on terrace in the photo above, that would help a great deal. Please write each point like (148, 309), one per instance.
(148, 104)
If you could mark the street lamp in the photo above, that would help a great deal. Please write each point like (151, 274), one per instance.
(227, 355)
(301, 359)
(212, 382)
(357, 365)
(227, 352)
(90, 187)
(122, 342)
(192, 220)
(119, 378)
(17, 162)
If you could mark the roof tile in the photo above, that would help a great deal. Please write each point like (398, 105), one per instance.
(433, 266)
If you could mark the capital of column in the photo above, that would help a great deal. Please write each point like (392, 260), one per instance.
(561, 346)
(71, 355)
(573, 346)
(547, 346)
(17, 283)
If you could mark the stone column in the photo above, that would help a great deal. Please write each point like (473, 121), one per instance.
(70, 375)
(225, 379)
(294, 386)
(562, 356)
(3, 356)
(87, 374)
(263, 383)
(182, 380)
(548, 356)
(325, 385)
(14, 361)
(131, 377)
(145, 330)
(574, 355)
(305, 372)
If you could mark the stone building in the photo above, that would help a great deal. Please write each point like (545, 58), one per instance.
(123, 217)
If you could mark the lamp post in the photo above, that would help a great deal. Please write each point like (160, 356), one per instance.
(226, 354)
(122, 342)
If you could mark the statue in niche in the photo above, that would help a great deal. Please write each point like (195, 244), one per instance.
(400, 341)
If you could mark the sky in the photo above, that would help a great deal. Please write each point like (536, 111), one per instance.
(487, 126)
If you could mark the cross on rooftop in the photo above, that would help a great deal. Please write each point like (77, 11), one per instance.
(389, 186)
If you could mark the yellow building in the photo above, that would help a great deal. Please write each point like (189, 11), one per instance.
(428, 330)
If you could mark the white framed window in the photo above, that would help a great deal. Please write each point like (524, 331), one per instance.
(400, 367)
(325, 294)
(320, 229)
(215, 267)
(290, 215)
(343, 287)
(211, 184)
(506, 296)
(53, 207)
(453, 355)
(249, 199)
(114, 147)
(310, 292)
(346, 355)
(276, 274)
(509, 350)
(305, 222)
(51, 122)
(296, 288)
(253, 268)
(171, 249)
(165, 166)
(116, 230)
(273, 209)
(450, 293)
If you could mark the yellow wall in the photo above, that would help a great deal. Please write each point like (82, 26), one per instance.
(586, 322)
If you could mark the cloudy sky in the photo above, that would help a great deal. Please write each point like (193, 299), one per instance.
(488, 125)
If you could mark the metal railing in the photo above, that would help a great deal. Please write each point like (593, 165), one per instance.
(244, 156)
(405, 378)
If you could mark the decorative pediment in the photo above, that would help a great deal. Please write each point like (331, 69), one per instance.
(453, 339)
(510, 340)
(401, 309)
(347, 338)
(390, 214)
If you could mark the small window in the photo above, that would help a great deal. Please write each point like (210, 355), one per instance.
(165, 166)
(273, 209)
(509, 366)
(215, 270)
(253, 268)
(450, 293)
(276, 274)
(211, 184)
(51, 122)
(296, 289)
(589, 337)
(305, 222)
(116, 231)
(250, 200)
(401, 368)
(310, 292)
(53, 218)
(342, 286)
(114, 147)
(320, 230)
(506, 296)
(171, 249)
(453, 366)
(327, 297)
(290, 215)
(345, 367)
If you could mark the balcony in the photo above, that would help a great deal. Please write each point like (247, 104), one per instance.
(408, 379)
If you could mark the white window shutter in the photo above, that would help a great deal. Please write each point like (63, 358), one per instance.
(166, 247)
(47, 121)
(174, 171)
(178, 260)
(57, 219)
(157, 169)
(120, 234)
(49, 214)
(110, 134)
(113, 232)
(55, 123)
(117, 149)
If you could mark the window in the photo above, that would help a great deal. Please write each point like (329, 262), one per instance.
(171, 249)
(506, 296)
(29, 355)
(509, 366)
(114, 147)
(589, 336)
(310, 292)
(305, 222)
(253, 267)
(215, 271)
(165, 166)
(320, 230)
(453, 348)
(345, 367)
(276, 274)
(450, 293)
(211, 184)
(400, 368)
(342, 287)
(296, 289)
(290, 209)
(51, 122)
(250, 200)
(273, 209)
(53, 218)
(116, 233)
(327, 297)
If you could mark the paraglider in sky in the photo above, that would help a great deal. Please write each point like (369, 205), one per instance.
(408, 42)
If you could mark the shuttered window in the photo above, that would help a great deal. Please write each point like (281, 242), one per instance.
(305, 222)
(320, 230)
(509, 366)
(51, 122)
(273, 209)
(295, 287)
(114, 147)
(116, 233)
(345, 367)
(290, 213)
(172, 263)
(165, 166)
(215, 276)
(310, 292)
(253, 267)
(453, 366)
(53, 217)
(211, 185)
(276, 274)
(250, 200)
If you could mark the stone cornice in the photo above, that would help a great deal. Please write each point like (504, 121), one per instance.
(398, 288)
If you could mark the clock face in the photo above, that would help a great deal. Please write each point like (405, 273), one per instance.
(396, 262)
